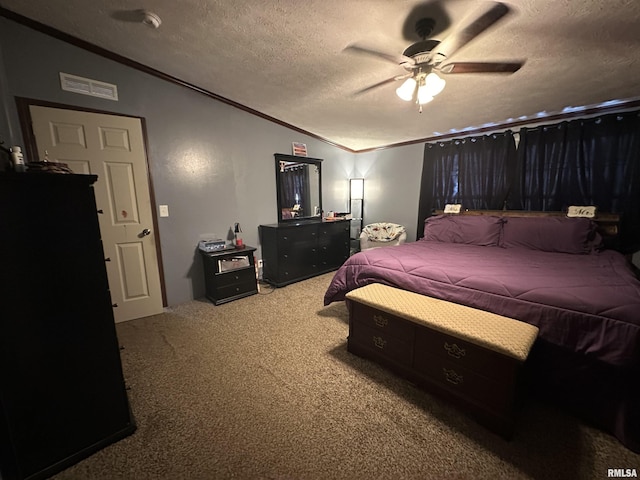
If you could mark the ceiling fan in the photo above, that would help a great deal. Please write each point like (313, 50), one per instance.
(426, 58)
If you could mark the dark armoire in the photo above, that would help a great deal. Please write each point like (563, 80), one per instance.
(62, 391)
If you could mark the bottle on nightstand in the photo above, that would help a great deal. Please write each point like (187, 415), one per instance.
(238, 238)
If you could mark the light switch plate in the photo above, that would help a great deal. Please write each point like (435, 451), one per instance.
(164, 210)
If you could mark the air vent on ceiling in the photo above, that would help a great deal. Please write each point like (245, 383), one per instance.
(86, 86)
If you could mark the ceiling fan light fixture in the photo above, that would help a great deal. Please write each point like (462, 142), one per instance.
(427, 55)
(423, 95)
(434, 84)
(406, 90)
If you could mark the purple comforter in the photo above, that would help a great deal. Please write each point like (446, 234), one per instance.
(586, 303)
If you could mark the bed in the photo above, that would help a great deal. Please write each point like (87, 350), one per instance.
(544, 269)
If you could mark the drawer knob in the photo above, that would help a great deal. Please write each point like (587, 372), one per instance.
(379, 342)
(452, 377)
(380, 321)
(454, 350)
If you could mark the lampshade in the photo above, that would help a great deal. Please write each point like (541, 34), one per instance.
(423, 95)
(434, 84)
(405, 91)
(357, 188)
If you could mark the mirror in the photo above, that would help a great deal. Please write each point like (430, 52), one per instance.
(299, 185)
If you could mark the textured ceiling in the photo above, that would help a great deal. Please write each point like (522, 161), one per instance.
(285, 59)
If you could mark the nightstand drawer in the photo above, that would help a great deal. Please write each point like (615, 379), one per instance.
(234, 277)
(228, 291)
(235, 282)
(384, 323)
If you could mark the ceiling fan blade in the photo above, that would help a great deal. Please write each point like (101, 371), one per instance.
(480, 67)
(382, 83)
(460, 38)
(390, 57)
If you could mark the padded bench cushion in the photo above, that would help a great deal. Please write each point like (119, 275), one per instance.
(495, 332)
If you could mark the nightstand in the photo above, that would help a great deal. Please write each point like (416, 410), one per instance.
(229, 274)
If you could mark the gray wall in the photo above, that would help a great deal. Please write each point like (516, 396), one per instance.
(211, 163)
(391, 185)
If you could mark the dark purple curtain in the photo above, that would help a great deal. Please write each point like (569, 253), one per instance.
(296, 188)
(592, 161)
(474, 171)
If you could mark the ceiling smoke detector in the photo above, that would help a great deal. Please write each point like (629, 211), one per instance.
(151, 19)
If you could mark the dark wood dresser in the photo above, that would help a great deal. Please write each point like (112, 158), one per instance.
(295, 251)
(62, 391)
(229, 274)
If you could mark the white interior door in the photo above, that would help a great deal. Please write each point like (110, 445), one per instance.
(112, 148)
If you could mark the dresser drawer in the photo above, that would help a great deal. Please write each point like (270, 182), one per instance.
(465, 354)
(466, 383)
(383, 322)
(382, 344)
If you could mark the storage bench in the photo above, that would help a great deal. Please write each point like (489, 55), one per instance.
(469, 356)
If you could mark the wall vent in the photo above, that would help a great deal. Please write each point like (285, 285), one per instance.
(86, 86)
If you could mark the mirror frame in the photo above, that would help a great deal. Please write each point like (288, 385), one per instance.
(281, 157)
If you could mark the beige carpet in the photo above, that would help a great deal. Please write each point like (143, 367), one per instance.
(264, 388)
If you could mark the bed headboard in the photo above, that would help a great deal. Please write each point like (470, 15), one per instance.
(607, 222)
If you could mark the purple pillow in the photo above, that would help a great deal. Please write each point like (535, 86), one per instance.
(482, 230)
(550, 234)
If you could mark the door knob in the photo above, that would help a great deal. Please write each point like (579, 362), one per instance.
(144, 233)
